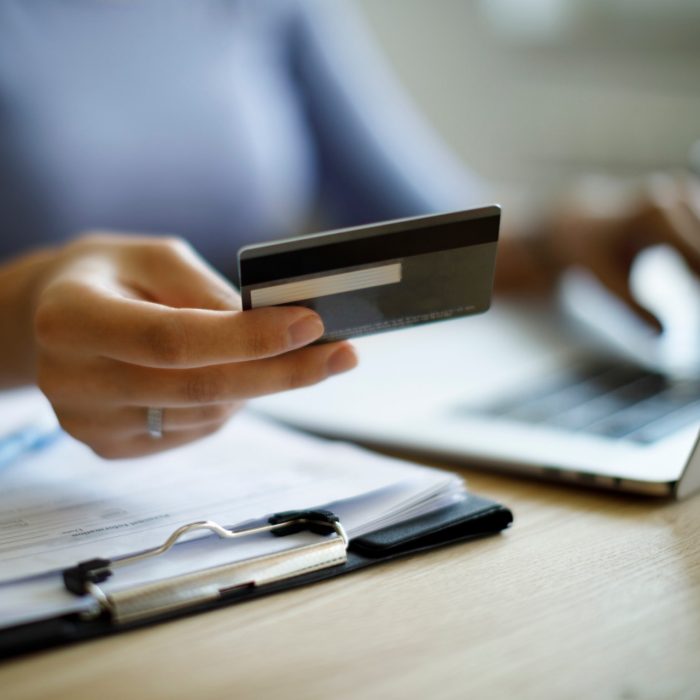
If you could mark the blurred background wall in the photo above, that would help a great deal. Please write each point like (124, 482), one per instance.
(534, 92)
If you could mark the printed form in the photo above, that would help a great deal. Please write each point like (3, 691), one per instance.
(65, 505)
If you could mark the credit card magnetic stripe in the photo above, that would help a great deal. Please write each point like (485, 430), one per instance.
(314, 259)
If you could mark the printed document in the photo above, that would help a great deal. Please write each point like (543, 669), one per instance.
(64, 505)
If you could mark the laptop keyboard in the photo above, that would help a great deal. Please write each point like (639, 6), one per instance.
(611, 400)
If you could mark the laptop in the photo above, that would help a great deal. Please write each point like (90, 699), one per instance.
(561, 391)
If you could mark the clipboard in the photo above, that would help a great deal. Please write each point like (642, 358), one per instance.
(332, 554)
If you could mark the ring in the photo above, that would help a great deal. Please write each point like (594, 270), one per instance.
(154, 422)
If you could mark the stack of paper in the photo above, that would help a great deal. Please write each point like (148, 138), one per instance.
(63, 505)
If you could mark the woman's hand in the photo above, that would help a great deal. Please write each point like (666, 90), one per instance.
(604, 230)
(603, 227)
(124, 323)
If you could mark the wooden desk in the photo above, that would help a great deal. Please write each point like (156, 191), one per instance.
(589, 595)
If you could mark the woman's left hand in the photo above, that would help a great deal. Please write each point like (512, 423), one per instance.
(602, 227)
(605, 234)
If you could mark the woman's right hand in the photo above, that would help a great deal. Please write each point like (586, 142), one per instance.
(123, 323)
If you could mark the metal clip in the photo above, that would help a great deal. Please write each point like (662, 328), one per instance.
(194, 588)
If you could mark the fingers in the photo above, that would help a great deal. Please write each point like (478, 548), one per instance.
(143, 445)
(122, 432)
(670, 214)
(617, 282)
(125, 422)
(243, 380)
(71, 382)
(194, 404)
(176, 420)
(666, 212)
(91, 320)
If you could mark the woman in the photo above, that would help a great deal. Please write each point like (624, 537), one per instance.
(219, 122)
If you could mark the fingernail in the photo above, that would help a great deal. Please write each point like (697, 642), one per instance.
(342, 360)
(305, 330)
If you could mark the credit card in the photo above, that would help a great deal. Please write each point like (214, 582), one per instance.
(380, 277)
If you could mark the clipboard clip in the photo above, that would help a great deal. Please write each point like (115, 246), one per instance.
(195, 588)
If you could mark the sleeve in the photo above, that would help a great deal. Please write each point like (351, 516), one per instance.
(377, 157)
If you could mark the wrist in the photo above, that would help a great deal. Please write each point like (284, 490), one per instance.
(528, 259)
(21, 281)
